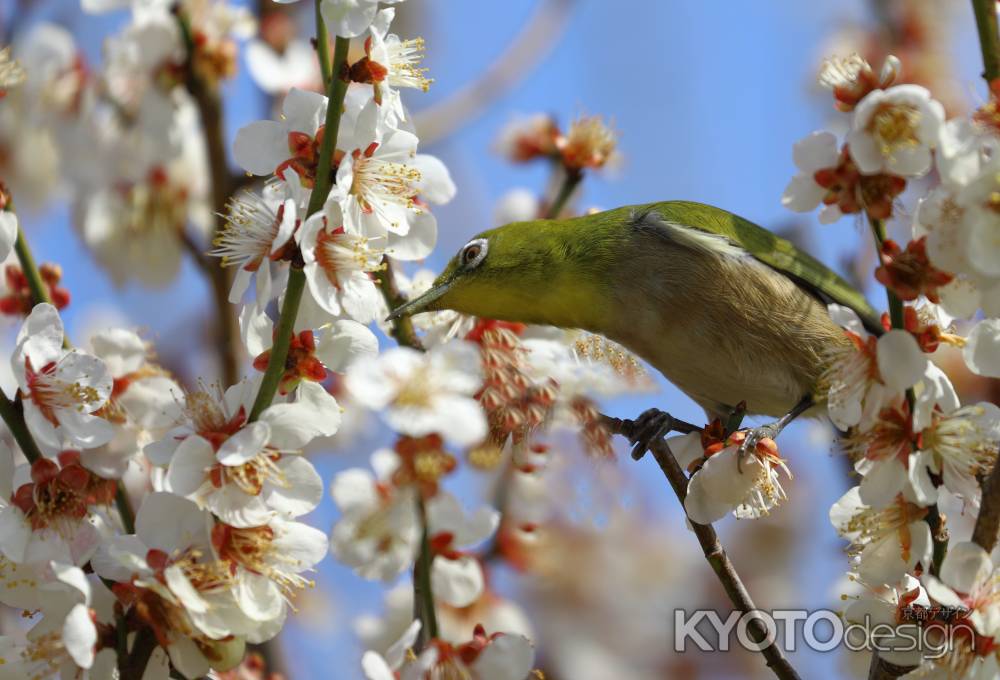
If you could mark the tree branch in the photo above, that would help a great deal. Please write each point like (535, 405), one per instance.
(880, 669)
(209, 105)
(401, 329)
(712, 548)
(989, 41)
(988, 522)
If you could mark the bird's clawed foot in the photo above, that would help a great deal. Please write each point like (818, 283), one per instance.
(651, 425)
(755, 435)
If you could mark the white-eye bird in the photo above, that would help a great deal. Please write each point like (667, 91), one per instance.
(726, 310)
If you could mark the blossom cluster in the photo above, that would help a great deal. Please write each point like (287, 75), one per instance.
(908, 435)
(144, 515)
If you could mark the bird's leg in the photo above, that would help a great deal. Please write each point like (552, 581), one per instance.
(651, 425)
(772, 430)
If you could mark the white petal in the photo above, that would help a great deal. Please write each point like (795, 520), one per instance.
(883, 481)
(507, 657)
(168, 522)
(8, 233)
(901, 363)
(435, 182)
(802, 194)
(79, 635)
(353, 489)
(122, 350)
(245, 444)
(982, 349)
(315, 413)
(815, 152)
(190, 466)
(686, 448)
(458, 582)
(966, 566)
(261, 146)
(304, 492)
(418, 242)
(344, 342)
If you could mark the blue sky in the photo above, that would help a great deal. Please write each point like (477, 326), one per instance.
(708, 96)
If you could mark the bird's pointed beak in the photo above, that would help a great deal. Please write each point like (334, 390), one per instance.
(419, 304)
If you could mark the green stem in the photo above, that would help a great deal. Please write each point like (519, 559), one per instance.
(571, 180)
(933, 518)
(296, 277)
(282, 340)
(13, 414)
(336, 90)
(323, 46)
(989, 40)
(423, 594)
(39, 292)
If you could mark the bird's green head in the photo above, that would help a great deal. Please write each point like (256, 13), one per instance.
(541, 271)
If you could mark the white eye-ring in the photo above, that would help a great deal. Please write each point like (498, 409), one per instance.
(473, 253)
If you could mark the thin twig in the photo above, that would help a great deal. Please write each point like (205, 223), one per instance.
(880, 669)
(209, 104)
(401, 329)
(133, 665)
(571, 179)
(713, 550)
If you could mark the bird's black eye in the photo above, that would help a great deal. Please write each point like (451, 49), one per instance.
(473, 253)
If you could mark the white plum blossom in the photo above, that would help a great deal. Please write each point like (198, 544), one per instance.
(276, 72)
(894, 131)
(48, 515)
(885, 543)
(958, 447)
(393, 63)
(868, 373)
(350, 18)
(247, 473)
(339, 264)
(63, 641)
(457, 577)
(169, 564)
(423, 393)
(267, 562)
(63, 389)
(376, 666)
(387, 185)
(967, 585)
(143, 395)
(887, 608)
(267, 147)
(748, 487)
(803, 194)
(378, 532)
(258, 227)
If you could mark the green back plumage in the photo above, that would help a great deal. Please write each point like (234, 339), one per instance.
(769, 248)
